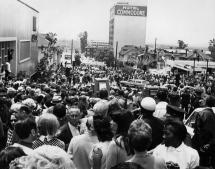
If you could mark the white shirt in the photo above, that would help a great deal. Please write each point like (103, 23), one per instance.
(104, 146)
(80, 147)
(27, 150)
(185, 156)
(160, 110)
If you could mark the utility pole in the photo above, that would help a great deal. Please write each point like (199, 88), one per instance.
(155, 52)
(207, 72)
(116, 54)
(155, 45)
(71, 54)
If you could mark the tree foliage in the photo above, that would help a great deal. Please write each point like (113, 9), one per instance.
(105, 55)
(83, 41)
(211, 48)
(44, 68)
(182, 45)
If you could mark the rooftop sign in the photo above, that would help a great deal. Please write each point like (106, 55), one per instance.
(127, 10)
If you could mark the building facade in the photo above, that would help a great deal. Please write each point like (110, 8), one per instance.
(94, 48)
(127, 24)
(18, 32)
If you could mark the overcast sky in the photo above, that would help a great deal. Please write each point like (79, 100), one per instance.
(168, 20)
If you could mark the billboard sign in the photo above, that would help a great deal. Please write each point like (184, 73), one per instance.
(127, 10)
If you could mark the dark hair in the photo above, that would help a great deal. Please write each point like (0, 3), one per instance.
(140, 135)
(175, 89)
(47, 100)
(114, 106)
(9, 154)
(174, 99)
(39, 98)
(59, 110)
(23, 128)
(210, 101)
(4, 110)
(162, 94)
(72, 100)
(102, 128)
(25, 109)
(103, 94)
(127, 165)
(179, 131)
(83, 105)
(123, 121)
(64, 93)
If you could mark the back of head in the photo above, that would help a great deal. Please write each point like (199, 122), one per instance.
(210, 101)
(162, 94)
(24, 128)
(103, 94)
(114, 107)
(56, 156)
(9, 154)
(102, 128)
(59, 110)
(140, 135)
(123, 121)
(101, 108)
(174, 99)
(48, 124)
(46, 156)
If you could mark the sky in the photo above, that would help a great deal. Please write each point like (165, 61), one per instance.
(192, 21)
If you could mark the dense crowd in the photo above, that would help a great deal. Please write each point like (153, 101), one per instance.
(65, 123)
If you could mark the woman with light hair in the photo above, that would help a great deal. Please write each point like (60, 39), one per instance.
(46, 156)
(47, 126)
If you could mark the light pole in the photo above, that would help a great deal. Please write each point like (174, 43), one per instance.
(194, 63)
(207, 71)
(116, 54)
(71, 54)
(155, 46)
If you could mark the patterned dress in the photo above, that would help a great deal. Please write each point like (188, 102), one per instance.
(53, 142)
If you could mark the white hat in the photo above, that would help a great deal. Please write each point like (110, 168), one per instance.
(148, 103)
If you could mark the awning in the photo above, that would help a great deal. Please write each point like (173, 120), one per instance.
(181, 67)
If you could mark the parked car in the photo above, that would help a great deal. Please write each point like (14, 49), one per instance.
(190, 121)
(135, 83)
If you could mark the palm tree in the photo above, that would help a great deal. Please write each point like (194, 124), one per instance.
(211, 48)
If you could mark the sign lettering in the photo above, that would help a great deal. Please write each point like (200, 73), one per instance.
(126, 10)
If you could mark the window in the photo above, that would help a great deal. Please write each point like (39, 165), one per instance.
(24, 50)
(34, 23)
(67, 57)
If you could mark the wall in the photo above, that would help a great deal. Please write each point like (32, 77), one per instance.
(129, 30)
(16, 20)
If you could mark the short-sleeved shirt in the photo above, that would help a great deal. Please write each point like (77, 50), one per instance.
(185, 156)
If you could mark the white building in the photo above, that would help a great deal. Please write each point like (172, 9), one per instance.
(127, 24)
(18, 31)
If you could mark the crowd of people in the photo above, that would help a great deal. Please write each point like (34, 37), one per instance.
(64, 123)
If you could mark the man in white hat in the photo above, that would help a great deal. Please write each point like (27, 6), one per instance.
(148, 106)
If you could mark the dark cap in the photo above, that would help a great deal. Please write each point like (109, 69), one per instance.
(175, 111)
